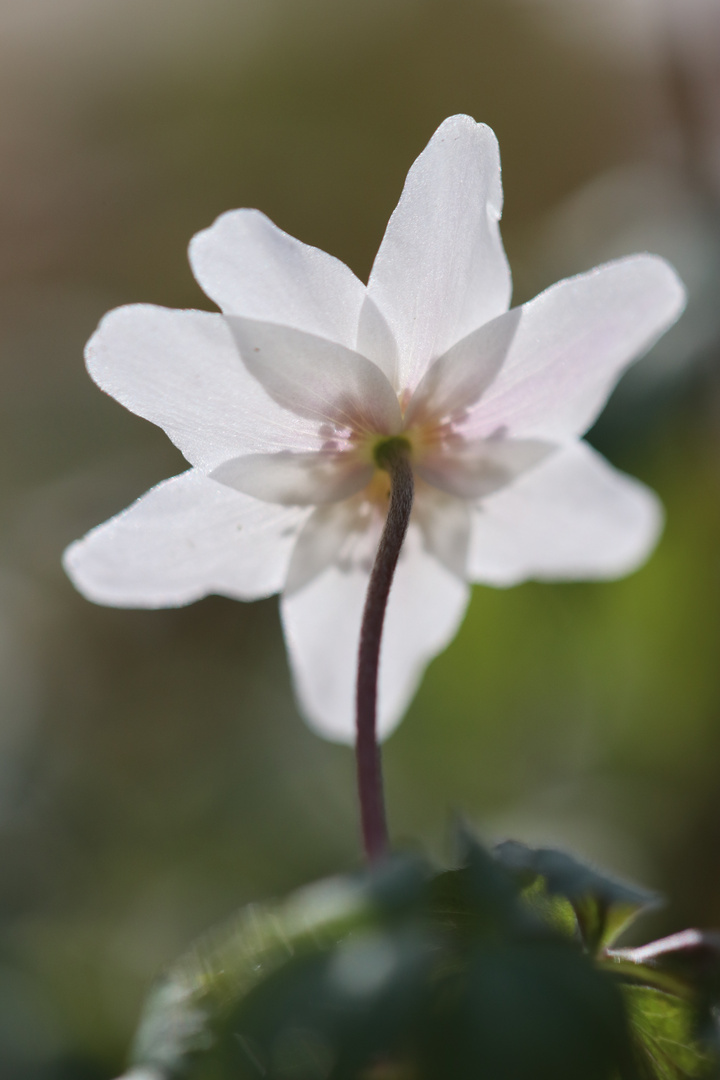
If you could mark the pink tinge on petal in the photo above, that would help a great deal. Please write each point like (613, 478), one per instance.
(571, 345)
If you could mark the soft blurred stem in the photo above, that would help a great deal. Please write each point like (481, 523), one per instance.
(392, 455)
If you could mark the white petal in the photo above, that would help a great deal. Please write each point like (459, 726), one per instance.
(320, 543)
(473, 470)
(322, 631)
(458, 378)
(317, 378)
(249, 267)
(182, 370)
(572, 344)
(445, 523)
(185, 538)
(295, 479)
(441, 271)
(572, 517)
(375, 340)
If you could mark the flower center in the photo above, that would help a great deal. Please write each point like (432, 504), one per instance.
(386, 451)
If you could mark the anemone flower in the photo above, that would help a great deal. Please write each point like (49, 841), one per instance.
(290, 404)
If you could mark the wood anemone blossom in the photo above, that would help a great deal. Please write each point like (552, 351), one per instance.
(283, 402)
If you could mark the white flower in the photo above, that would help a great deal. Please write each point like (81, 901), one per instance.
(279, 402)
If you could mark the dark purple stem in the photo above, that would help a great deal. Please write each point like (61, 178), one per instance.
(392, 456)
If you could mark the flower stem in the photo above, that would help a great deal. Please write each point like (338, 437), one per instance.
(392, 455)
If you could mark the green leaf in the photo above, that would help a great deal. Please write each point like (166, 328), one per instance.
(602, 905)
(398, 974)
(490, 894)
(359, 1004)
(555, 911)
(527, 1010)
(663, 1027)
(187, 1014)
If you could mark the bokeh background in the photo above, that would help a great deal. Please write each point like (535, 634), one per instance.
(154, 771)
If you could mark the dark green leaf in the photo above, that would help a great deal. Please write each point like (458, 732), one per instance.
(396, 974)
(182, 1015)
(357, 1005)
(603, 906)
(490, 893)
(530, 1010)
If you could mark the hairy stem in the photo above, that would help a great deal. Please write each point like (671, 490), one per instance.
(393, 456)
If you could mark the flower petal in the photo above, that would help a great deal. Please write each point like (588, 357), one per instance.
(473, 470)
(572, 517)
(249, 267)
(458, 378)
(295, 479)
(185, 538)
(322, 631)
(445, 523)
(441, 271)
(182, 371)
(319, 544)
(318, 379)
(375, 340)
(572, 343)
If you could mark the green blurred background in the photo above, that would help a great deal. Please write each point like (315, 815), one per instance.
(154, 771)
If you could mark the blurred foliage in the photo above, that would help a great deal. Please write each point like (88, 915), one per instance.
(154, 773)
(405, 972)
